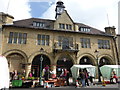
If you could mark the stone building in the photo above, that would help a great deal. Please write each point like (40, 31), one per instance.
(58, 43)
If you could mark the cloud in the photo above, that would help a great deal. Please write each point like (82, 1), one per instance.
(20, 9)
(90, 12)
(41, 0)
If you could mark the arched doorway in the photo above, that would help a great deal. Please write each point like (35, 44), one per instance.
(35, 69)
(85, 61)
(16, 62)
(64, 62)
(104, 61)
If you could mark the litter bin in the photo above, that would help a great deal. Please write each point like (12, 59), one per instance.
(16, 83)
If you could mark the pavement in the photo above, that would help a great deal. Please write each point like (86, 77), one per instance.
(92, 87)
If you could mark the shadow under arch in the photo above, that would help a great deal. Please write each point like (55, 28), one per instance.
(87, 59)
(106, 60)
(36, 64)
(64, 60)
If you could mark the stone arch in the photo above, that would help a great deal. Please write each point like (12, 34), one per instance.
(16, 59)
(39, 53)
(68, 54)
(64, 60)
(108, 58)
(90, 56)
(16, 51)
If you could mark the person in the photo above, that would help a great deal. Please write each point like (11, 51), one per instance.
(15, 75)
(115, 76)
(86, 76)
(52, 74)
(30, 74)
(91, 79)
(65, 75)
(81, 77)
(46, 72)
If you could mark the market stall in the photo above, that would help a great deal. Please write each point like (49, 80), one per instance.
(75, 70)
(107, 70)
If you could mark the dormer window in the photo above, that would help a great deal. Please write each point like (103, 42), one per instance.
(65, 26)
(38, 24)
(84, 29)
(68, 27)
(61, 26)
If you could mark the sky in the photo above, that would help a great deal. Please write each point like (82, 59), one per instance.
(95, 13)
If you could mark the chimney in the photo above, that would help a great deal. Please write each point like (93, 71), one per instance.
(5, 19)
(110, 30)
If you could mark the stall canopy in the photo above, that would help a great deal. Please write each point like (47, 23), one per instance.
(75, 70)
(106, 70)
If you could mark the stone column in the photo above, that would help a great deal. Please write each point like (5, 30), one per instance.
(27, 69)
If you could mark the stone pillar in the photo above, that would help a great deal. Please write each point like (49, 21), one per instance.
(53, 69)
(27, 69)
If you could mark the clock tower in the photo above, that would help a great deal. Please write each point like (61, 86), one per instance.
(59, 8)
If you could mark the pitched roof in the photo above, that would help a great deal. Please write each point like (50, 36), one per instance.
(28, 23)
(92, 30)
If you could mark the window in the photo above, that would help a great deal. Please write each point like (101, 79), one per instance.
(38, 24)
(47, 40)
(10, 37)
(85, 42)
(20, 38)
(24, 38)
(65, 26)
(84, 29)
(68, 27)
(17, 38)
(43, 39)
(62, 26)
(103, 44)
(65, 41)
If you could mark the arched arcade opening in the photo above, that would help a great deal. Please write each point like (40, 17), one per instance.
(104, 61)
(64, 61)
(35, 68)
(85, 60)
(16, 62)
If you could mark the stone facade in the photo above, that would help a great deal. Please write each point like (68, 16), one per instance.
(22, 56)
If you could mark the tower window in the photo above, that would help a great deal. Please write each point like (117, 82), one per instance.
(62, 26)
(68, 27)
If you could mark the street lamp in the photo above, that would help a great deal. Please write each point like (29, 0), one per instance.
(41, 59)
(97, 52)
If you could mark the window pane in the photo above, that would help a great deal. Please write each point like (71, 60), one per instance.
(24, 38)
(15, 37)
(20, 38)
(43, 39)
(39, 39)
(10, 37)
(47, 39)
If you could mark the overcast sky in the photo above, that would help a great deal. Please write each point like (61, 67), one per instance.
(96, 13)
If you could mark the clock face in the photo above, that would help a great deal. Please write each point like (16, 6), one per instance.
(59, 10)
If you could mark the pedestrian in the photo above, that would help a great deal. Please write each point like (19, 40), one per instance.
(65, 75)
(15, 75)
(115, 77)
(86, 77)
(46, 72)
(81, 78)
